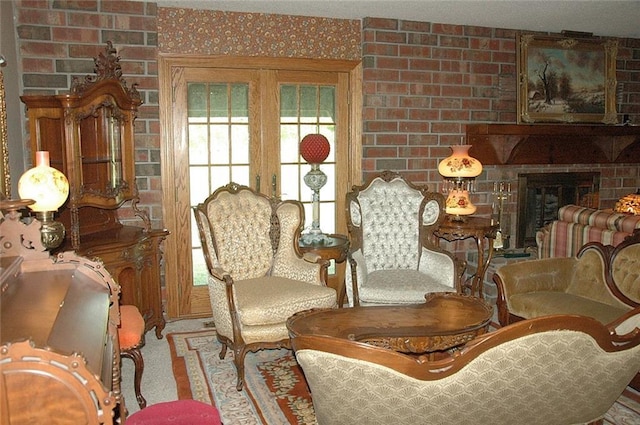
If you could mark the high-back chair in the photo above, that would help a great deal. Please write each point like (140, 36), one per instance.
(547, 371)
(257, 276)
(393, 258)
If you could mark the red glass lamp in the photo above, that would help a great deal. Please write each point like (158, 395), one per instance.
(315, 148)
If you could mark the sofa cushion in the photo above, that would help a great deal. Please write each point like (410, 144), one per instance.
(536, 304)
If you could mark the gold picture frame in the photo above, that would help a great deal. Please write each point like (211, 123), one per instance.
(5, 178)
(565, 79)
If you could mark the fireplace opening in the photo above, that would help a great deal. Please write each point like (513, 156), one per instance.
(540, 195)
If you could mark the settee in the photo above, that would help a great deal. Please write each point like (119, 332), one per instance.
(601, 281)
(546, 371)
(576, 226)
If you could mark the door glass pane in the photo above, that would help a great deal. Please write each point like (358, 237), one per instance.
(309, 97)
(219, 150)
(290, 188)
(218, 137)
(307, 109)
(199, 191)
(289, 140)
(198, 144)
(218, 102)
(288, 104)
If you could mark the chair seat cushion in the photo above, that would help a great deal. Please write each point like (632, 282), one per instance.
(179, 412)
(535, 304)
(398, 286)
(131, 328)
(271, 300)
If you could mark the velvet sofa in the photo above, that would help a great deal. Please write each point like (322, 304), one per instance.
(601, 281)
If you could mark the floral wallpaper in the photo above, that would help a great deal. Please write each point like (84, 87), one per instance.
(208, 32)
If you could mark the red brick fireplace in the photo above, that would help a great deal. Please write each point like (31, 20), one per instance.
(553, 165)
(541, 194)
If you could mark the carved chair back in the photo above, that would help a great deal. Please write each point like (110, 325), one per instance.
(624, 270)
(247, 233)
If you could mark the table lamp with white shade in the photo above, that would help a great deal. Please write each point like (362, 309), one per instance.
(49, 188)
(459, 171)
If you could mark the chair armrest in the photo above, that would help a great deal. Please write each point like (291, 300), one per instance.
(627, 325)
(441, 266)
(306, 268)
(221, 274)
(355, 275)
(547, 274)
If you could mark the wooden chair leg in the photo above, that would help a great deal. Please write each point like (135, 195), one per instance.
(136, 356)
(238, 359)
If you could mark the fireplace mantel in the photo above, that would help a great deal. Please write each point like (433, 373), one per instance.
(514, 144)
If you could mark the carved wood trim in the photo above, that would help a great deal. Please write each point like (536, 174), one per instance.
(511, 144)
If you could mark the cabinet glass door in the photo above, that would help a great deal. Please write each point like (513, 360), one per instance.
(101, 152)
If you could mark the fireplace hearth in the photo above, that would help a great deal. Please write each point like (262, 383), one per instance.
(540, 195)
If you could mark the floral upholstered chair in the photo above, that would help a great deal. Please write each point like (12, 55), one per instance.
(393, 259)
(551, 370)
(257, 277)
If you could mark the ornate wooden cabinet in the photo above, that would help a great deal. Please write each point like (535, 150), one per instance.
(89, 133)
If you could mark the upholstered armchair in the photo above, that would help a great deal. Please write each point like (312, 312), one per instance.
(257, 277)
(546, 371)
(393, 258)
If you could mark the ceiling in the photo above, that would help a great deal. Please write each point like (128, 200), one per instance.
(601, 17)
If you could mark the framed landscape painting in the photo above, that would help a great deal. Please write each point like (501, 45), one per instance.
(564, 79)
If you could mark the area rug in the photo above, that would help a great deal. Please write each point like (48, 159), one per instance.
(275, 390)
(274, 393)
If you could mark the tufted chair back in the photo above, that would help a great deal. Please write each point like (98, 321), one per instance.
(391, 223)
(547, 371)
(625, 268)
(241, 223)
(393, 214)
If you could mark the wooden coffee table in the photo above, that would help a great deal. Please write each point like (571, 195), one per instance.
(444, 321)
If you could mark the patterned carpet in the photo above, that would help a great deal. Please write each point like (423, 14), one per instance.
(275, 390)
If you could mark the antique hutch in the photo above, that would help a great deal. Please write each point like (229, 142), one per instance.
(89, 133)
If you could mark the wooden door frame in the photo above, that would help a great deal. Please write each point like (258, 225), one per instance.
(168, 66)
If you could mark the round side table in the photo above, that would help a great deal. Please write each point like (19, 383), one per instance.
(478, 228)
(335, 247)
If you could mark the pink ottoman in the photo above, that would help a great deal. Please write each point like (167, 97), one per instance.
(179, 412)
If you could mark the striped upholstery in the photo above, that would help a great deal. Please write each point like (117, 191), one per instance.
(578, 225)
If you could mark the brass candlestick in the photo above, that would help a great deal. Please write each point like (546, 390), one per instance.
(501, 192)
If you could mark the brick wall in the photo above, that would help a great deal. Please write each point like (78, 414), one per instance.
(422, 83)
(58, 40)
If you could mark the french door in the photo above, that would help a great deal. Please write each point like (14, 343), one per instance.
(243, 122)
